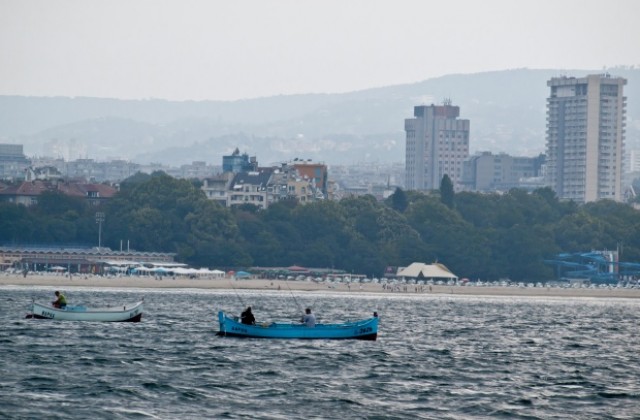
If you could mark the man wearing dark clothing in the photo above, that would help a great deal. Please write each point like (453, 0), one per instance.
(247, 317)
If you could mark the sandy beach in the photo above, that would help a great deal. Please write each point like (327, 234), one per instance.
(62, 281)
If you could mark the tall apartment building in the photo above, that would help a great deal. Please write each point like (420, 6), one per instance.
(437, 144)
(585, 137)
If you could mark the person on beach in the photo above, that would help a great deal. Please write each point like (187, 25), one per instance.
(309, 319)
(246, 317)
(60, 302)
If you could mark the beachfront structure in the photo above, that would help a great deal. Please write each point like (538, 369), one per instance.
(585, 137)
(76, 259)
(434, 271)
(437, 143)
(598, 266)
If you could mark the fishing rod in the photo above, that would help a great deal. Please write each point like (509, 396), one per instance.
(236, 292)
(293, 296)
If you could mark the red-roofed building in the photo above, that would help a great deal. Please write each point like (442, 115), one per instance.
(27, 192)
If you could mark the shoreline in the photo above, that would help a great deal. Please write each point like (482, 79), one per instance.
(63, 281)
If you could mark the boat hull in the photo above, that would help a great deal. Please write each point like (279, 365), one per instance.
(124, 313)
(366, 329)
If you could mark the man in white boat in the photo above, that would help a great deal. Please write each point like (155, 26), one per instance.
(60, 302)
(309, 319)
(246, 317)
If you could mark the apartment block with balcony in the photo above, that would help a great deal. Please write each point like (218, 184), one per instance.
(217, 187)
(585, 137)
(250, 188)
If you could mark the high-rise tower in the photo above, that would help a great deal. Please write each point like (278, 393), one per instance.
(437, 144)
(585, 137)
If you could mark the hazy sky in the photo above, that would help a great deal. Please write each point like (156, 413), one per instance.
(234, 49)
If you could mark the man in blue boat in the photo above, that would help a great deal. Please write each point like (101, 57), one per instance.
(246, 317)
(309, 319)
(60, 302)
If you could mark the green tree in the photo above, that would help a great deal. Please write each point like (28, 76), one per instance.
(398, 200)
(57, 204)
(17, 224)
(170, 215)
(447, 194)
(521, 250)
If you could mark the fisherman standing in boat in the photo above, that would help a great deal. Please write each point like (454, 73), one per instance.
(60, 302)
(309, 319)
(246, 317)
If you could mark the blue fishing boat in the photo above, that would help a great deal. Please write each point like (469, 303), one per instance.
(365, 329)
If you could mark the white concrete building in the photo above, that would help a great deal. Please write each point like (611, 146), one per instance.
(585, 137)
(437, 144)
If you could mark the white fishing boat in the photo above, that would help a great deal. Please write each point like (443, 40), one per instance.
(121, 313)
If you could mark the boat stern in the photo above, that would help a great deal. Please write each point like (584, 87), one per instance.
(222, 331)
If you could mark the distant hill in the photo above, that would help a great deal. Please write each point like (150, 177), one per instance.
(506, 108)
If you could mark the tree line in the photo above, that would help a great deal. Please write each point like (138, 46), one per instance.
(485, 236)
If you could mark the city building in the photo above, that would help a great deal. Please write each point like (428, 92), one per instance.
(437, 144)
(486, 172)
(314, 172)
(250, 188)
(291, 182)
(634, 161)
(585, 137)
(13, 162)
(237, 162)
(91, 170)
(27, 192)
(217, 187)
(366, 178)
(243, 182)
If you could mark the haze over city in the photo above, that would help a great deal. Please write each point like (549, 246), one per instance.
(201, 50)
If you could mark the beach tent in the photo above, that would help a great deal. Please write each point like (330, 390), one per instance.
(242, 274)
(427, 271)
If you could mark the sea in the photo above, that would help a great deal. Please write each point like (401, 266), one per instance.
(436, 357)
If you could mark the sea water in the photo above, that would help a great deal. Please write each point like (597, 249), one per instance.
(436, 357)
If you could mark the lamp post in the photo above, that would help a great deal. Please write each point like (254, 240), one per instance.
(99, 220)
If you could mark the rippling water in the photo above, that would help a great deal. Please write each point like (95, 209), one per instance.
(437, 357)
